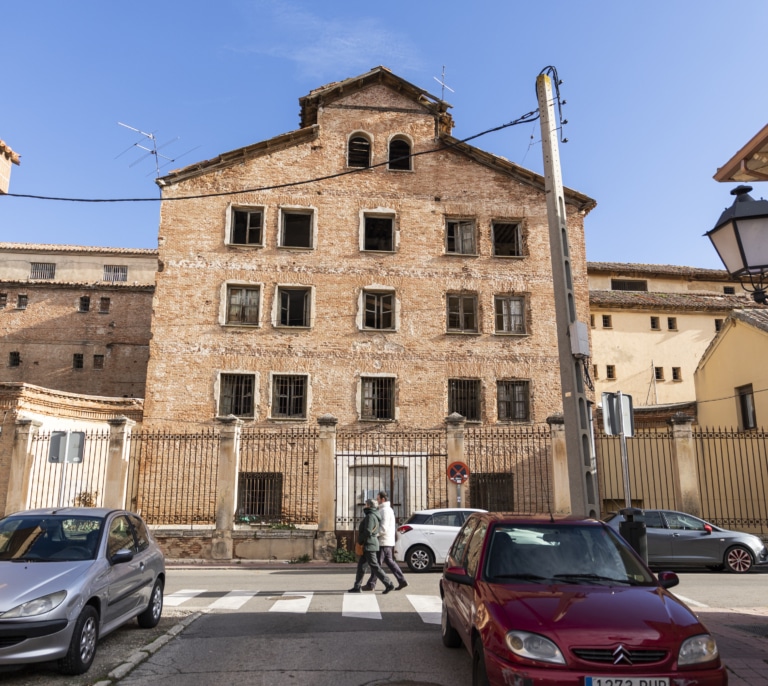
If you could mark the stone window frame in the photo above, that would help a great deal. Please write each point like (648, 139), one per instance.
(452, 384)
(273, 376)
(463, 296)
(229, 224)
(528, 400)
(364, 377)
(277, 306)
(520, 239)
(377, 289)
(224, 303)
(366, 136)
(522, 298)
(84, 303)
(375, 213)
(283, 211)
(459, 221)
(217, 387)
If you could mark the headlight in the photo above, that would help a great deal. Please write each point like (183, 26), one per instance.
(534, 647)
(35, 607)
(697, 649)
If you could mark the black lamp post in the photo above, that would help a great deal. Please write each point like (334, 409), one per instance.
(741, 239)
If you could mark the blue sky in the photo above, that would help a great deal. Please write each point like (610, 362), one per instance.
(659, 94)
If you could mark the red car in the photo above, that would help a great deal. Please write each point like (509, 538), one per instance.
(542, 601)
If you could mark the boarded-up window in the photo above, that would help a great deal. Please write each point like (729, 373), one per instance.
(359, 152)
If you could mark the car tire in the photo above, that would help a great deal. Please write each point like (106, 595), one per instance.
(451, 638)
(151, 616)
(419, 559)
(479, 674)
(738, 560)
(82, 647)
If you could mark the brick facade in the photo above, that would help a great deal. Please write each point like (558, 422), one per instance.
(192, 343)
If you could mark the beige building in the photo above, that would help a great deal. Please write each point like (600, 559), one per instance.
(368, 265)
(652, 323)
(76, 318)
(732, 377)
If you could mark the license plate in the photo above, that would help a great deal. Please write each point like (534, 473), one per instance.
(626, 681)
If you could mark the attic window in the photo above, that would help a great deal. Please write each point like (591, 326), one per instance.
(629, 285)
(729, 290)
(400, 154)
(359, 152)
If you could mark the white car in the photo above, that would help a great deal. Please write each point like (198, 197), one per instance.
(426, 536)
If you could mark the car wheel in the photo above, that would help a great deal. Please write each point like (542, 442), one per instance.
(82, 647)
(151, 616)
(420, 558)
(479, 675)
(738, 560)
(451, 638)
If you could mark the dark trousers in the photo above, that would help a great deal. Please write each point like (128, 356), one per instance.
(370, 558)
(386, 556)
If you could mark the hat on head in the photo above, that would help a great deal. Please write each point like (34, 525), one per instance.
(371, 504)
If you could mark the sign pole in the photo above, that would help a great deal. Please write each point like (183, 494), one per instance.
(63, 469)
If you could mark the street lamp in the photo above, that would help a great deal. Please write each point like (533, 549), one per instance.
(741, 239)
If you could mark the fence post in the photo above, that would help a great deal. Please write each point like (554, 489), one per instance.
(325, 543)
(21, 465)
(116, 477)
(226, 487)
(561, 493)
(685, 475)
(454, 443)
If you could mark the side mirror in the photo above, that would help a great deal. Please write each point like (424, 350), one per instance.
(708, 528)
(122, 555)
(458, 575)
(668, 579)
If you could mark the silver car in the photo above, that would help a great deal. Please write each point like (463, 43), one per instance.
(677, 539)
(70, 576)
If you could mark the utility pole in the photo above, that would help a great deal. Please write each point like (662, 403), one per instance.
(572, 335)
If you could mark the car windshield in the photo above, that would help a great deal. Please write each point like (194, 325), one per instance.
(49, 538)
(553, 553)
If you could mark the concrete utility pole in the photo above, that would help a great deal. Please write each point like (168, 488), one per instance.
(572, 335)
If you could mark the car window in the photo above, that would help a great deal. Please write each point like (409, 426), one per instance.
(653, 520)
(419, 519)
(475, 548)
(120, 536)
(48, 538)
(140, 529)
(460, 544)
(678, 520)
(446, 519)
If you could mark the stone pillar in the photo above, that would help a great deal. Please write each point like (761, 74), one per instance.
(21, 465)
(325, 543)
(226, 491)
(561, 492)
(116, 478)
(454, 441)
(685, 472)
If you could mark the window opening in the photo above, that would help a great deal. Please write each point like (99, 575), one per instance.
(658, 373)
(610, 371)
(677, 374)
(379, 310)
(462, 313)
(242, 305)
(718, 324)
(513, 398)
(260, 494)
(77, 361)
(729, 290)
(359, 152)
(460, 236)
(294, 307)
(510, 314)
(746, 407)
(42, 270)
(379, 234)
(85, 303)
(246, 227)
(21, 301)
(3, 299)
(297, 229)
(672, 323)
(507, 241)
(289, 396)
(115, 272)
(14, 359)
(629, 285)
(399, 154)
(98, 361)
(655, 324)
(104, 304)
(607, 321)
(464, 398)
(236, 395)
(378, 401)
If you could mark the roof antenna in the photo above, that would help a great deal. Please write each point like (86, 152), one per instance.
(153, 150)
(441, 81)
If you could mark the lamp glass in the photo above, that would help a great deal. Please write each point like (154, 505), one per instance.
(724, 239)
(754, 239)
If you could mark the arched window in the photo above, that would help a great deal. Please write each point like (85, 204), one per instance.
(399, 154)
(359, 152)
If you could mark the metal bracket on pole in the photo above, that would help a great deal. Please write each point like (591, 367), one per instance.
(578, 441)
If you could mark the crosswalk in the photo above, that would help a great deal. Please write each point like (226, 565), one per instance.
(353, 605)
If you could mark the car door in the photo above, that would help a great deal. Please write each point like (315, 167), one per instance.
(692, 544)
(658, 539)
(125, 579)
(460, 598)
(147, 557)
(442, 533)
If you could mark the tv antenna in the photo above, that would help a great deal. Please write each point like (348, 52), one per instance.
(152, 148)
(441, 81)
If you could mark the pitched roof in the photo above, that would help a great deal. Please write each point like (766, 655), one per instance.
(629, 269)
(52, 247)
(754, 317)
(681, 302)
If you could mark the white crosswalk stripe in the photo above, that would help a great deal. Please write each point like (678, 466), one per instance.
(179, 597)
(361, 606)
(234, 600)
(429, 607)
(293, 601)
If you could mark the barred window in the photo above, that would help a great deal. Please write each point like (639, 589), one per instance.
(85, 303)
(246, 227)
(98, 361)
(464, 398)
(21, 301)
(289, 396)
(513, 400)
(115, 272)
(236, 395)
(359, 152)
(3, 299)
(242, 305)
(294, 306)
(14, 359)
(42, 270)
(462, 313)
(399, 154)
(379, 233)
(629, 285)
(507, 239)
(379, 308)
(510, 314)
(260, 494)
(378, 397)
(460, 236)
(77, 361)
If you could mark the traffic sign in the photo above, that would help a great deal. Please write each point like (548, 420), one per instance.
(458, 472)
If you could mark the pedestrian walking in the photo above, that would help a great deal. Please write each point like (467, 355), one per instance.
(386, 537)
(367, 537)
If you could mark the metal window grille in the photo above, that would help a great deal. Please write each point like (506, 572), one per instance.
(672, 323)
(77, 361)
(21, 302)
(729, 290)
(510, 314)
(260, 494)
(464, 398)
(243, 305)
(246, 227)
(462, 313)
(378, 398)
(297, 230)
(98, 361)
(379, 233)
(359, 152)
(513, 398)
(677, 374)
(378, 310)
(655, 325)
(115, 272)
(104, 304)
(399, 154)
(607, 321)
(493, 491)
(14, 359)
(85, 303)
(289, 393)
(507, 239)
(610, 371)
(460, 237)
(42, 270)
(236, 395)
(658, 373)
(629, 285)
(294, 307)
(3, 299)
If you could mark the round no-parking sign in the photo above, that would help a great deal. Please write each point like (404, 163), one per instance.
(458, 472)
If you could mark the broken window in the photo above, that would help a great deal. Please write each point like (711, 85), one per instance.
(379, 233)
(289, 396)
(510, 314)
(42, 270)
(464, 398)
(242, 305)
(507, 239)
(462, 313)
(399, 154)
(359, 152)
(294, 306)
(297, 229)
(379, 310)
(460, 236)
(513, 400)
(246, 227)
(85, 303)
(115, 272)
(236, 395)
(378, 398)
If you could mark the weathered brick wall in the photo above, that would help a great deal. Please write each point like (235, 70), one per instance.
(51, 330)
(189, 346)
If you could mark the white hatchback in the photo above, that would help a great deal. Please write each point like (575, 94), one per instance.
(425, 538)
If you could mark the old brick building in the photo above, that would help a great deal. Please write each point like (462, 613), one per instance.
(76, 318)
(368, 265)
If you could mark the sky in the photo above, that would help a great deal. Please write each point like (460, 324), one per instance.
(658, 94)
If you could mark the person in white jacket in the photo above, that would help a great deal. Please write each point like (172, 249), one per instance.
(387, 544)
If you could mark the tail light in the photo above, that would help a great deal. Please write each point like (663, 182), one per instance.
(404, 529)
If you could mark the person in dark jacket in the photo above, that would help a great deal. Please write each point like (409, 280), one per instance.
(368, 538)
